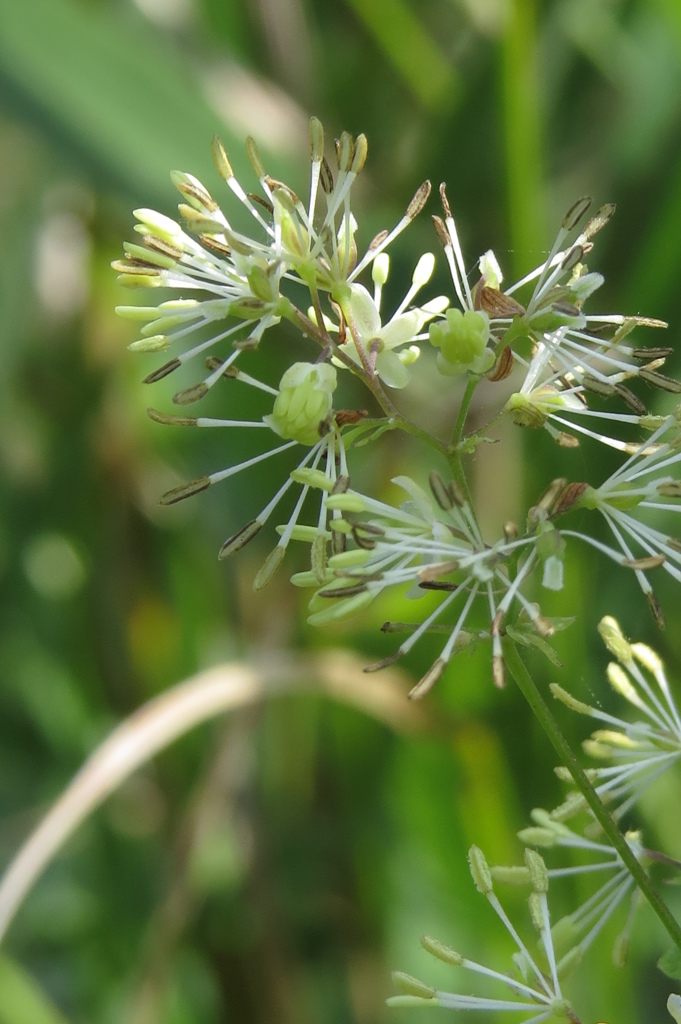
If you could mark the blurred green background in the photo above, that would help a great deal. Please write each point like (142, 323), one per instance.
(273, 867)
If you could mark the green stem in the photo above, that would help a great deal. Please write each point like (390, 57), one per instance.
(540, 708)
(471, 385)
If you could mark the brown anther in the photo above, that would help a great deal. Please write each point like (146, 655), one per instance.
(503, 365)
(440, 491)
(443, 199)
(384, 662)
(261, 201)
(377, 240)
(497, 304)
(660, 380)
(162, 371)
(576, 212)
(498, 672)
(346, 417)
(191, 394)
(597, 386)
(185, 491)
(350, 591)
(655, 608)
(572, 258)
(419, 201)
(326, 177)
(211, 242)
(565, 440)
(441, 231)
(659, 352)
(201, 196)
(169, 420)
(456, 494)
(341, 484)
(213, 363)
(165, 248)
(240, 539)
(428, 680)
(599, 220)
(431, 573)
(631, 400)
(568, 498)
(551, 494)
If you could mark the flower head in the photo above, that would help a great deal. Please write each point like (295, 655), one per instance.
(430, 544)
(569, 357)
(233, 282)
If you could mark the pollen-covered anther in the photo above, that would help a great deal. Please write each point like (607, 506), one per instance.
(441, 231)
(419, 200)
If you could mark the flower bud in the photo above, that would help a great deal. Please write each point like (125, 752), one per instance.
(462, 339)
(305, 399)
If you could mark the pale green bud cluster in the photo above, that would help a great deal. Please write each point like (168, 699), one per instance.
(462, 342)
(305, 399)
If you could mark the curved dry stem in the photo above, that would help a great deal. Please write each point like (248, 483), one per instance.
(158, 723)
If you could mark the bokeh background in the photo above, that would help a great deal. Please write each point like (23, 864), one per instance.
(275, 865)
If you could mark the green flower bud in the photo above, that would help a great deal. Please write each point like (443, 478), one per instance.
(462, 339)
(305, 399)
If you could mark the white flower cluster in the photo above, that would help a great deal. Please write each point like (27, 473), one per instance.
(301, 263)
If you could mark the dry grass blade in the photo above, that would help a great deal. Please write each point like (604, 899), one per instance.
(158, 723)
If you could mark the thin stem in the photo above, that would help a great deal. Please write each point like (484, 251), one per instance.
(540, 708)
(471, 385)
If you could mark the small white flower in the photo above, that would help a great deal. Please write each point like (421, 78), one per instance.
(382, 347)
